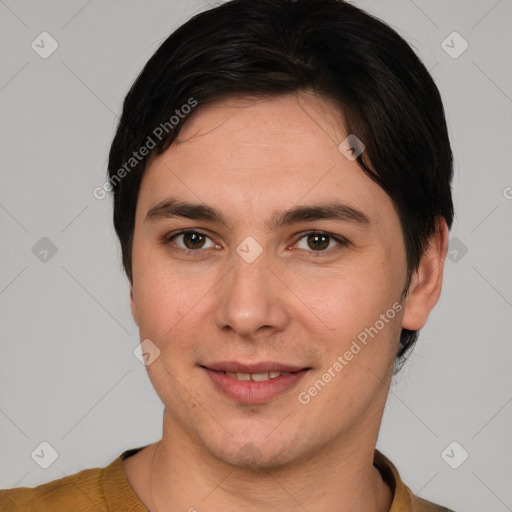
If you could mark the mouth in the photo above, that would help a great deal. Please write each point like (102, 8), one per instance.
(256, 383)
(255, 377)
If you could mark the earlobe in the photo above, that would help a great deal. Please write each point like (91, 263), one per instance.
(426, 282)
(133, 306)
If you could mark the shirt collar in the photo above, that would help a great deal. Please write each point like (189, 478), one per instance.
(119, 494)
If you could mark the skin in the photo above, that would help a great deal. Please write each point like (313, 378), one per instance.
(295, 304)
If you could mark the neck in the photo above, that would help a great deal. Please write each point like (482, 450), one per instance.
(339, 477)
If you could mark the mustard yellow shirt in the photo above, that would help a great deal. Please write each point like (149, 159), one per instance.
(108, 490)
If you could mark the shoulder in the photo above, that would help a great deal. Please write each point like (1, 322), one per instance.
(403, 498)
(427, 506)
(80, 492)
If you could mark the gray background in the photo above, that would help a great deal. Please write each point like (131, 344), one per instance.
(68, 375)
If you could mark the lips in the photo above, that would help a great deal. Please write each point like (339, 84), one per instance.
(254, 383)
(262, 367)
(256, 377)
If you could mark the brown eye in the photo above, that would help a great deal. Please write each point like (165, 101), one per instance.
(190, 241)
(193, 240)
(319, 242)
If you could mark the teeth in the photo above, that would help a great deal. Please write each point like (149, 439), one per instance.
(257, 377)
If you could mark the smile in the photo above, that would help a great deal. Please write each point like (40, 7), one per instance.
(253, 384)
(256, 377)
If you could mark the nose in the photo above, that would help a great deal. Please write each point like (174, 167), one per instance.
(251, 299)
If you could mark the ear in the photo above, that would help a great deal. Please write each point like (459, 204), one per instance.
(133, 306)
(426, 282)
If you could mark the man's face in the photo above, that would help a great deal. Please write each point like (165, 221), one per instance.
(282, 295)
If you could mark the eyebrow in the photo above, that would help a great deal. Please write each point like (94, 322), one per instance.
(172, 208)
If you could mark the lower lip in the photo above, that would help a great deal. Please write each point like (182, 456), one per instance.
(254, 392)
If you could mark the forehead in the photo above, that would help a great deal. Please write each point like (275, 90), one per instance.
(276, 124)
(302, 108)
(248, 154)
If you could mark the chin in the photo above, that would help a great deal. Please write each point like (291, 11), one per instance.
(251, 458)
(258, 454)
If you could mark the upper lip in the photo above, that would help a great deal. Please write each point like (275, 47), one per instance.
(261, 367)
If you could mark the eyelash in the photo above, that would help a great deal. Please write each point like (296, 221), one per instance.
(168, 239)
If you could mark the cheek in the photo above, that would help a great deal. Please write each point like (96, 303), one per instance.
(157, 307)
(348, 297)
(359, 305)
(168, 315)
(168, 295)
